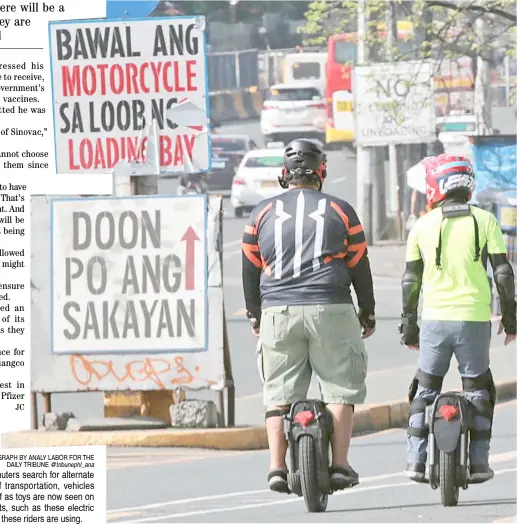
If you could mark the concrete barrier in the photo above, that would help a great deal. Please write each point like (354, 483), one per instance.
(367, 418)
(243, 104)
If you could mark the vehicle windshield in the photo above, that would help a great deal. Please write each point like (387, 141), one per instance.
(295, 94)
(345, 52)
(457, 127)
(264, 161)
(306, 70)
(229, 145)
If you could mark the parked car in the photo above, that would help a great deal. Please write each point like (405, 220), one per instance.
(454, 133)
(256, 179)
(227, 153)
(293, 111)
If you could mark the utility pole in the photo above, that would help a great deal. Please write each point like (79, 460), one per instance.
(482, 98)
(394, 188)
(363, 164)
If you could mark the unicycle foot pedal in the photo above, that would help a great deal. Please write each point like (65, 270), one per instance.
(477, 481)
(424, 480)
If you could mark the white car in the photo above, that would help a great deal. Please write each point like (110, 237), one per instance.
(256, 179)
(293, 111)
(455, 132)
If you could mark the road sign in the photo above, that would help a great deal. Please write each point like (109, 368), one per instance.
(129, 274)
(394, 103)
(111, 78)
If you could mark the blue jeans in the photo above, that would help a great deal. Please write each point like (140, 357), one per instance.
(470, 343)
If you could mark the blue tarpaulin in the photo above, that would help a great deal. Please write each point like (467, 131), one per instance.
(495, 162)
(495, 165)
(130, 9)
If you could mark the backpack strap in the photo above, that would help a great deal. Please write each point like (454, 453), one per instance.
(453, 211)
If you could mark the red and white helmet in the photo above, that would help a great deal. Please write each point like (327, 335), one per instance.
(445, 174)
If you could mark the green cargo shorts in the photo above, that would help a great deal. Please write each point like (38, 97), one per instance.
(297, 340)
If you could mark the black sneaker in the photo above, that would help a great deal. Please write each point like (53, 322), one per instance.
(343, 477)
(415, 472)
(480, 473)
(277, 480)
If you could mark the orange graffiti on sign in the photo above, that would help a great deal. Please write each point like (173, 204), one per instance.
(89, 372)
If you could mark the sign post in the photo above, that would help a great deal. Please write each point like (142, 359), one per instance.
(112, 78)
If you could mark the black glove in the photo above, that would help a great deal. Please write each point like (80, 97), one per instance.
(409, 330)
(366, 319)
(508, 319)
(254, 321)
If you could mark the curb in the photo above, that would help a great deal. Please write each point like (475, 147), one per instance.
(238, 105)
(245, 438)
(372, 417)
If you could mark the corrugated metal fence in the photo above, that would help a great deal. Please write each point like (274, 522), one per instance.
(233, 70)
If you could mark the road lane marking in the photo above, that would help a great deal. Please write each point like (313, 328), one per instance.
(499, 457)
(274, 502)
(222, 496)
(257, 505)
(338, 180)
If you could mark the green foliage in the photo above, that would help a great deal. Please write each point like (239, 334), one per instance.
(442, 29)
(245, 11)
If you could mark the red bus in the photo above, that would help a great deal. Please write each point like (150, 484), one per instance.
(342, 52)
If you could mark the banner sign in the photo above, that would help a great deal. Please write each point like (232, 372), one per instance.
(112, 78)
(129, 274)
(394, 103)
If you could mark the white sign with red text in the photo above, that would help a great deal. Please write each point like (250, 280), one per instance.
(129, 274)
(112, 78)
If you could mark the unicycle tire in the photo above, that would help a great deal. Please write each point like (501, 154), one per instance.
(449, 491)
(315, 501)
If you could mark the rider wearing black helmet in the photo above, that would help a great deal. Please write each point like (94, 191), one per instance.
(301, 252)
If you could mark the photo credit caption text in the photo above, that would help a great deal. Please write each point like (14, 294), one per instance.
(59, 484)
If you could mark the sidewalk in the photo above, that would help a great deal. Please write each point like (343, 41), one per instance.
(387, 259)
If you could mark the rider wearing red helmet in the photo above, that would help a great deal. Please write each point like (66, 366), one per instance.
(447, 252)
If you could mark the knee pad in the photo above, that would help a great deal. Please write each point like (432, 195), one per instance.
(419, 405)
(481, 407)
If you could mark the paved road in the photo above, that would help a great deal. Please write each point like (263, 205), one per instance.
(198, 486)
(390, 365)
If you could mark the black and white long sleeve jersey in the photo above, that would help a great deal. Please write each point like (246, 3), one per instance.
(305, 247)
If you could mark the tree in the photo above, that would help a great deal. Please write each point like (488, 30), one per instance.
(447, 32)
(450, 29)
(245, 11)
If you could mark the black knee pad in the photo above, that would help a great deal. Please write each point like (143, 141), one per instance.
(426, 381)
(483, 382)
(419, 405)
(483, 408)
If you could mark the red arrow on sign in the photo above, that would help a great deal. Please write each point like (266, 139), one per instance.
(190, 238)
